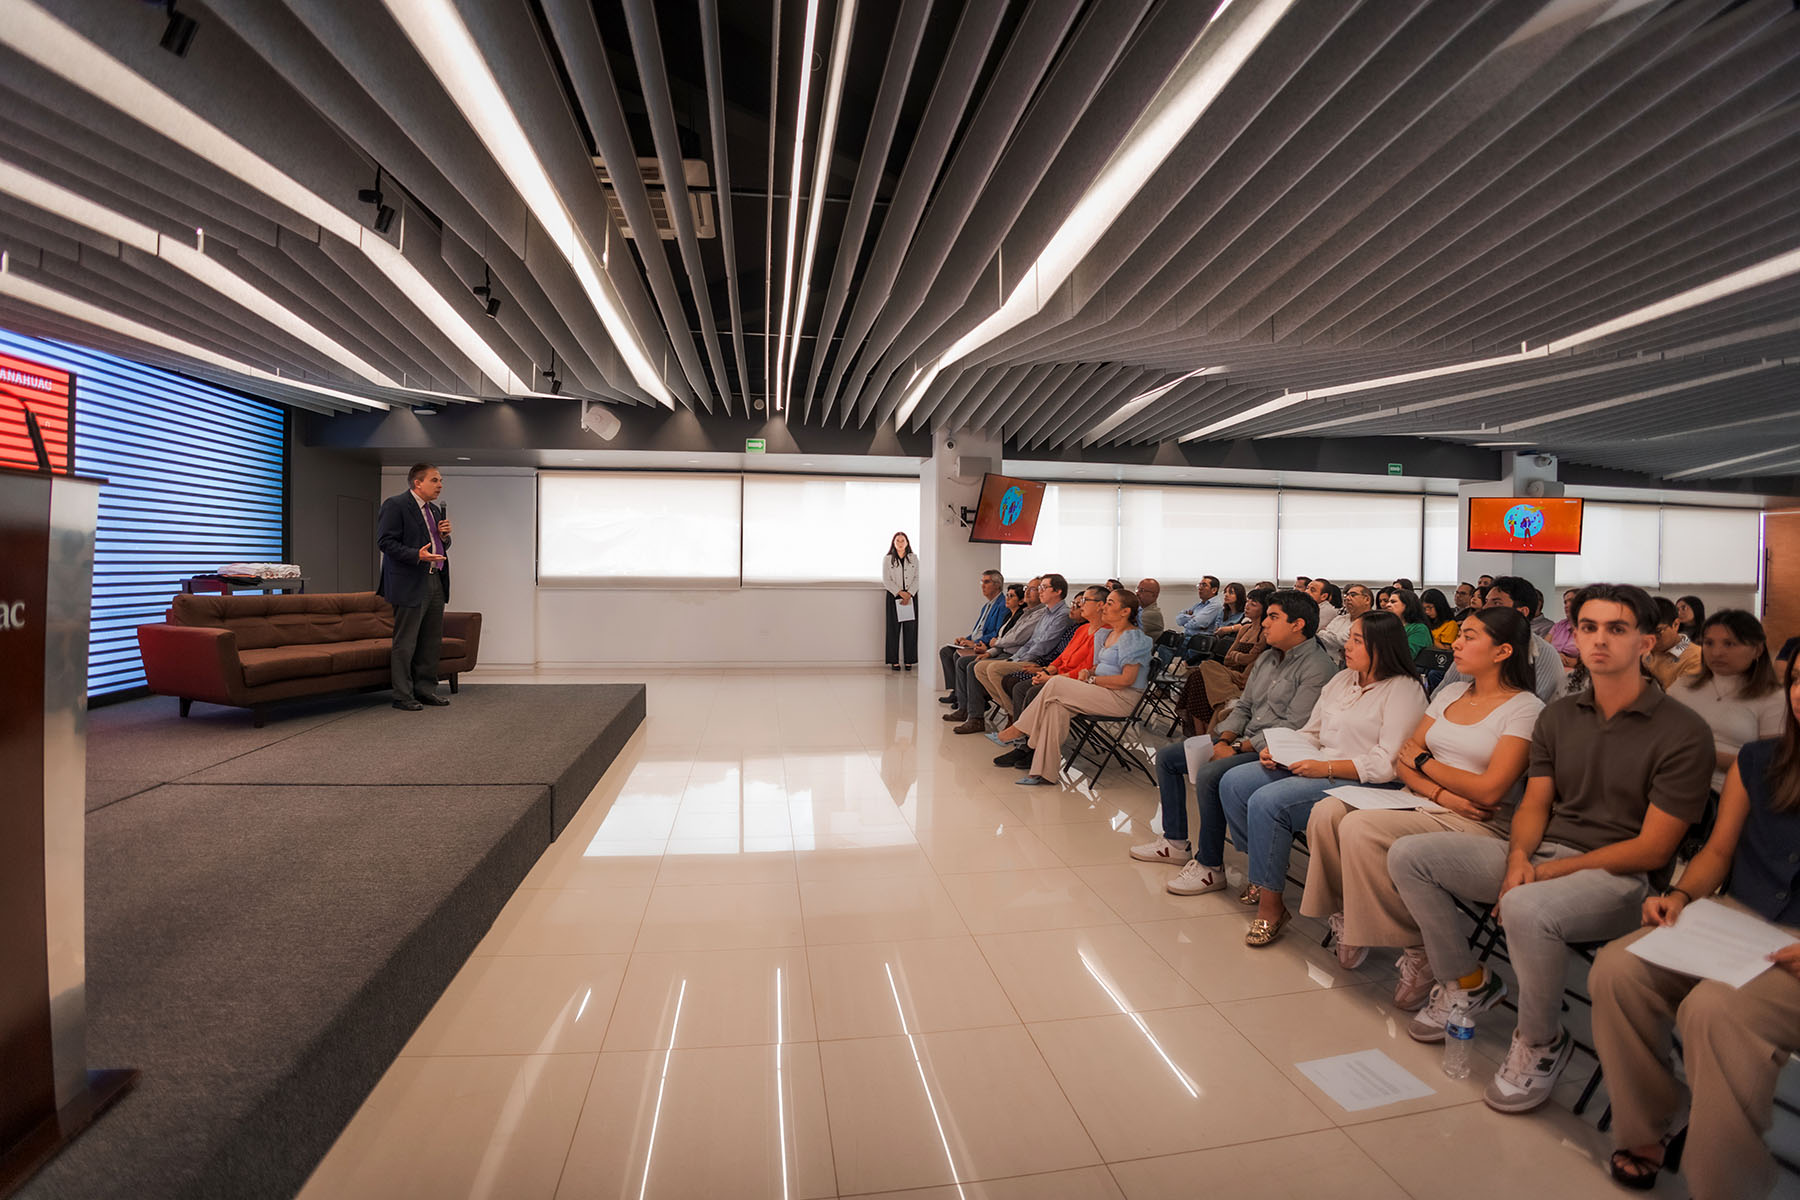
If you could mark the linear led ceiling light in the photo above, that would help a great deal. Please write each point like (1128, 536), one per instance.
(793, 216)
(437, 32)
(35, 294)
(40, 37)
(1767, 271)
(1216, 55)
(1138, 404)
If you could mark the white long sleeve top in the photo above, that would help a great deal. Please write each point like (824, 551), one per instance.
(1366, 724)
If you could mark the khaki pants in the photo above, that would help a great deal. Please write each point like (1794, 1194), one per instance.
(1348, 871)
(1734, 1042)
(991, 672)
(1046, 720)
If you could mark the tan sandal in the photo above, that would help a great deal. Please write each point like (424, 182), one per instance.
(1251, 896)
(1264, 933)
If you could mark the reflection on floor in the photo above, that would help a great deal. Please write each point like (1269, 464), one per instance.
(804, 942)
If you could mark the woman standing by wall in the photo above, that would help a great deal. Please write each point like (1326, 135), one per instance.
(900, 576)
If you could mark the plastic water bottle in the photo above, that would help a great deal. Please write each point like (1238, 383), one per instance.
(1459, 1032)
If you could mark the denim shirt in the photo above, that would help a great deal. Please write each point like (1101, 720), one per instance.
(1203, 617)
(1280, 690)
(1047, 641)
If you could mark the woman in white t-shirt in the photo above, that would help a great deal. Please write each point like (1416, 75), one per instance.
(1736, 691)
(1467, 757)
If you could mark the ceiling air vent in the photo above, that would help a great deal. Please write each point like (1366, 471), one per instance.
(700, 196)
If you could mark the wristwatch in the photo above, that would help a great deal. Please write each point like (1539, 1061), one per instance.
(1420, 761)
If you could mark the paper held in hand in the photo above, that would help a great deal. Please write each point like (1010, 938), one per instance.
(904, 612)
(1289, 746)
(1390, 798)
(1714, 941)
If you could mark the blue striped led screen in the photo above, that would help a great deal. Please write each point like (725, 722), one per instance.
(194, 480)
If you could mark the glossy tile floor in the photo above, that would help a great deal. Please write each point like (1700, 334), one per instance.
(804, 942)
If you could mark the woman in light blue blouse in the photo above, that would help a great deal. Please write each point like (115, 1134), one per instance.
(1111, 688)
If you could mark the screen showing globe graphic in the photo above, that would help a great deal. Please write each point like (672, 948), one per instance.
(1012, 505)
(1524, 521)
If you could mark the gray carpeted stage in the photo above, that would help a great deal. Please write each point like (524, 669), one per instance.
(272, 911)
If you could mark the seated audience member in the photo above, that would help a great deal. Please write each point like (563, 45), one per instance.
(1263, 585)
(1204, 616)
(1465, 600)
(1024, 613)
(1616, 777)
(1673, 655)
(986, 628)
(1734, 1040)
(1440, 618)
(1281, 690)
(1562, 634)
(1047, 639)
(1150, 616)
(1404, 584)
(1511, 591)
(1302, 583)
(1330, 599)
(1213, 684)
(1691, 611)
(1231, 611)
(1111, 687)
(1362, 716)
(1357, 601)
(1735, 691)
(1113, 585)
(1411, 614)
(1468, 756)
(1076, 656)
(1483, 581)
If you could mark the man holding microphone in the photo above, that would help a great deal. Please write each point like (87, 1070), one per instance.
(413, 534)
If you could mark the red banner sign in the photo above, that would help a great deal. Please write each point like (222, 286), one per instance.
(50, 396)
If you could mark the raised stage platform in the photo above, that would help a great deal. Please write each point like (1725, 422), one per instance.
(271, 912)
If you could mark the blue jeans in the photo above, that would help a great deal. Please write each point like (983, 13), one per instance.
(1264, 809)
(1171, 781)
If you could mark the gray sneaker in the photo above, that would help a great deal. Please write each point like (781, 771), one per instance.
(1427, 1024)
(1528, 1076)
(1162, 850)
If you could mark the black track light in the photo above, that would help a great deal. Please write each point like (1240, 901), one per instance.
(555, 382)
(484, 292)
(384, 214)
(178, 34)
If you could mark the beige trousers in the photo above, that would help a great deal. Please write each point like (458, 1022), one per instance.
(1734, 1042)
(991, 674)
(1348, 870)
(1046, 719)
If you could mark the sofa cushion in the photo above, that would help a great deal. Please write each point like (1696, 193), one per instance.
(273, 663)
(264, 621)
(363, 654)
(454, 648)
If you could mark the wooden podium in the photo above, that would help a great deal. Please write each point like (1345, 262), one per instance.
(47, 1093)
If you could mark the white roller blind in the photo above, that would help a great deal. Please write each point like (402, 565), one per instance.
(1178, 534)
(1619, 544)
(1077, 534)
(1349, 536)
(807, 529)
(1711, 545)
(627, 527)
(1441, 542)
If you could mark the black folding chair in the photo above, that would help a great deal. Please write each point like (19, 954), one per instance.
(1102, 741)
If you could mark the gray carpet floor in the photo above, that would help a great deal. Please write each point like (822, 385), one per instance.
(261, 948)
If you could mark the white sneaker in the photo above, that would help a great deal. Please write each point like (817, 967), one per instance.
(1349, 957)
(1162, 850)
(1416, 980)
(1196, 880)
(1528, 1076)
(1427, 1024)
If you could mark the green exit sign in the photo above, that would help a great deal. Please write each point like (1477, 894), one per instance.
(1394, 469)
(758, 445)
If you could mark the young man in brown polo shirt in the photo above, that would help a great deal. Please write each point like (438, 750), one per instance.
(1618, 774)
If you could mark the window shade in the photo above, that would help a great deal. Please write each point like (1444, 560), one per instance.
(1347, 536)
(1077, 534)
(1620, 543)
(1178, 534)
(808, 529)
(627, 528)
(1711, 546)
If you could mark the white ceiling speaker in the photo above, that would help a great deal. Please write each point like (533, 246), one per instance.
(598, 421)
(969, 468)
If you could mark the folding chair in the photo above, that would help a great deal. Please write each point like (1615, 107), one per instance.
(1107, 737)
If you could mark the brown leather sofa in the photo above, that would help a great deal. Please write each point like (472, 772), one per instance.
(249, 651)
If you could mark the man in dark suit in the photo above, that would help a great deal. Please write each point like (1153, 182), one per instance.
(414, 537)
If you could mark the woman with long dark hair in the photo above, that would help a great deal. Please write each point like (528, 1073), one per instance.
(1440, 618)
(1231, 617)
(1735, 689)
(900, 576)
(1690, 612)
(1363, 715)
(1467, 756)
(1406, 607)
(1734, 1040)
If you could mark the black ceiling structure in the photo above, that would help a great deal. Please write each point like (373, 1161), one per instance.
(1566, 225)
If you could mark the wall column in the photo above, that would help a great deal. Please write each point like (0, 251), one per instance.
(950, 566)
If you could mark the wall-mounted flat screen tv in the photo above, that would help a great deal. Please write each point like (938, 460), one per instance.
(1008, 510)
(1522, 524)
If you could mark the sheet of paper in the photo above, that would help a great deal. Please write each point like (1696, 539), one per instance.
(1366, 1079)
(1714, 941)
(1391, 798)
(1289, 746)
(905, 612)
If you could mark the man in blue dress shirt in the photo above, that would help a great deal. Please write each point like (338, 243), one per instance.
(1204, 616)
